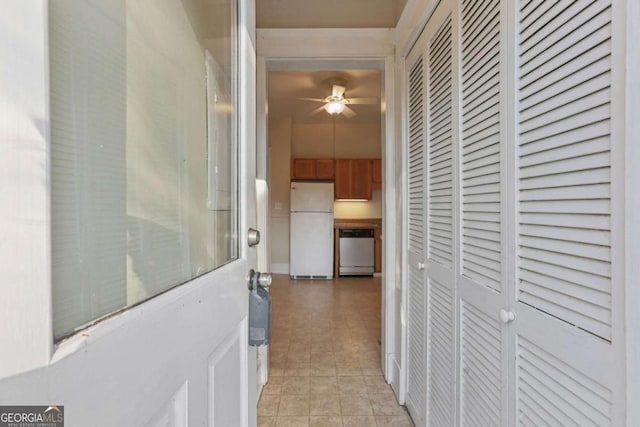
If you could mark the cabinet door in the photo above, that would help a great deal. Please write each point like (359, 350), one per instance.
(361, 179)
(303, 168)
(324, 169)
(376, 174)
(343, 179)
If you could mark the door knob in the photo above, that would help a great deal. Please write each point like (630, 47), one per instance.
(264, 279)
(256, 279)
(507, 316)
(421, 266)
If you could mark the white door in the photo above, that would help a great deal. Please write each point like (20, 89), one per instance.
(414, 160)
(441, 260)
(482, 277)
(519, 316)
(569, 288)
(180, 358)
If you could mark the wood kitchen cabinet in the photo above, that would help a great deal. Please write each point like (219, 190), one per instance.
(324, 169)
(353, 179)
(377, 250)
(312, 169)
(376, 174)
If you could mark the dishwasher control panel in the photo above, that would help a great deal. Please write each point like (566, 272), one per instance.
(356, 232)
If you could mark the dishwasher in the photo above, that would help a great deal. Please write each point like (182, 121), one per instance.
(356, 251)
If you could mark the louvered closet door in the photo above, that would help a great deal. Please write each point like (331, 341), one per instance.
(566, 372)
(482, 290)
(441, 260)
(416, 289)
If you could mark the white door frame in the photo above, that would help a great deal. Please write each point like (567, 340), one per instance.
(632, 210)
(316, 49)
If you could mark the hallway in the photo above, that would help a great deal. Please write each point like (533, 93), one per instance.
(325, 357)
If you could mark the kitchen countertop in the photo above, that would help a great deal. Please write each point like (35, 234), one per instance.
(357, 223)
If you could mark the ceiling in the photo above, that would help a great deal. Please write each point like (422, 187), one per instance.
(285, 87)
(328, 13)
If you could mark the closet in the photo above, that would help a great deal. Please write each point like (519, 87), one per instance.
(513, 272)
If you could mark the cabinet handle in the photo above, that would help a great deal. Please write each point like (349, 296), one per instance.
(421, 266)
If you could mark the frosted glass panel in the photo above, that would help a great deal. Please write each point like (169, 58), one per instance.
(143, 153)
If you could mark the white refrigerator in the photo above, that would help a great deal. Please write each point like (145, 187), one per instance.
(311, 230)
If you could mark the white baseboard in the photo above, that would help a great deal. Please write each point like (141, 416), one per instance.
(279, 268)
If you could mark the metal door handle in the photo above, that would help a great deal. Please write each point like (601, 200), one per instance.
(256, 279)
(507, 316)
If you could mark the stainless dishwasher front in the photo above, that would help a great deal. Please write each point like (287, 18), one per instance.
(356, 251)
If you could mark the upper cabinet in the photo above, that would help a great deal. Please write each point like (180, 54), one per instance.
(376, 174)
(324, 169)
(312, 169)
(353, 179)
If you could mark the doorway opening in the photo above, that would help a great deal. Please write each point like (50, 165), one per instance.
(302, 134)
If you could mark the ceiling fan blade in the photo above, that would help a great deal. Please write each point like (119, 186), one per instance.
(311, 99)
(372, 100)
(338, 91)
(317, 110)
(348, 112)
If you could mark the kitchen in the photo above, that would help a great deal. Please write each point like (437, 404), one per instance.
(322, 148)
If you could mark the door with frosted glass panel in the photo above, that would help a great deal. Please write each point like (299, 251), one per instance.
(149, 261)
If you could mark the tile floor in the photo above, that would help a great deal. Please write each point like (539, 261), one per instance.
(324, 360)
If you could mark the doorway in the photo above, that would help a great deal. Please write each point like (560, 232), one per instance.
(272, 58)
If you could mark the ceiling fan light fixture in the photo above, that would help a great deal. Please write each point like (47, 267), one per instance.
(334, 107)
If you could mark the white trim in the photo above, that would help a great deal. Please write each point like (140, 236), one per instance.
(618, 214)
(25, 219)
(325, 43)
(279, 268)
(414, 18)
(247, 122)
(632, 211)
(389, 314)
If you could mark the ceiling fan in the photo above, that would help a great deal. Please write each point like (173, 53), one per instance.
(336, 103)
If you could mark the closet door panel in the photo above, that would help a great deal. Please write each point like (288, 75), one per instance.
(481, 280)
(416, 286)
(565, 371)
(441, 220)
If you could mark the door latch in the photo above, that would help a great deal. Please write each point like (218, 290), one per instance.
(253, 237)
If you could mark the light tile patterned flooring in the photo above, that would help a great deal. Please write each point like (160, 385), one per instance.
(324, 367)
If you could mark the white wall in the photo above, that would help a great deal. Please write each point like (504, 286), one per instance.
(328, 13)
(352, 141)
(279, 178)
(360, 210)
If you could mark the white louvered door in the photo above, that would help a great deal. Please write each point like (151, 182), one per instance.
(568, 355)
(416, 287)
(482, 279)
(516, 221)
(440, 235)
